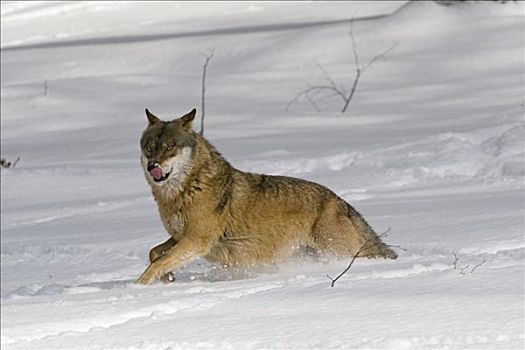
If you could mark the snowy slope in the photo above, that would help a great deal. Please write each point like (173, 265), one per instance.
(432, 146)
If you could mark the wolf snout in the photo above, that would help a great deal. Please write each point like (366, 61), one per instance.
(155, 171)
(153, 165)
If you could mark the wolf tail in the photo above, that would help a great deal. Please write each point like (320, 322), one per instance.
(372, 247)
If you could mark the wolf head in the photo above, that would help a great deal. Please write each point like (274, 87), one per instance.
(167, 148)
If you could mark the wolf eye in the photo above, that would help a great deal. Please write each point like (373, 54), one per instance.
(148, 149)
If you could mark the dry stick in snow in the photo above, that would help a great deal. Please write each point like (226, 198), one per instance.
(367, 244)
(478, 265)
(208, 57)
(312, 93)
(463, 269)
(455, 262)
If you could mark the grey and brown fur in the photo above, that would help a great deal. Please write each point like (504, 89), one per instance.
(212, 210)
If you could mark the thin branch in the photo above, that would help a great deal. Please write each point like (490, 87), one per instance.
(16, 161)
(397, 246)
(327, 96)
(311, 92)
(354, 46)
(312, 101)
(369, 243)
(357, 69)
(344, 271)
(339, 89)
(207, 57)
(463, 269)
(317, 89)
(455, 262)
(293, 100)
(382, 55)
(478, 265)
(352, 91)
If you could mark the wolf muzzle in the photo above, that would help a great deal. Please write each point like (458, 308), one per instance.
(155, 171)
(152, 165)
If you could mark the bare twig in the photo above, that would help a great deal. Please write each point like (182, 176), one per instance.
(359, 70)
(478, 265)
(397, 246)
(354, 45)
(455, 262)
(16, 161)
(207, 57)
(369, 243)
(338, 89)
(311, 93)
(465, 268)
(314, 104)
(381, 56)
(352, 91)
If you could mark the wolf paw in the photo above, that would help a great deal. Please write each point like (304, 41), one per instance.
(168, 278)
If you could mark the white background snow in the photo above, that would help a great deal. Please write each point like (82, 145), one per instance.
(432, 146)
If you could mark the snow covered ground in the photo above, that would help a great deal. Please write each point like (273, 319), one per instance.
(432, 146)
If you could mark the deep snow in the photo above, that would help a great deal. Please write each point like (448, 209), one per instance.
(432, 146)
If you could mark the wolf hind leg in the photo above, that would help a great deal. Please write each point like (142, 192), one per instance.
(158, 252)
(372, 246)
(342, 231)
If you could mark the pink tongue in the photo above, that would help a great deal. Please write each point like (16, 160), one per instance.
(156, 173)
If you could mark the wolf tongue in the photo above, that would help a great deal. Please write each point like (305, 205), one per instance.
(156, 173)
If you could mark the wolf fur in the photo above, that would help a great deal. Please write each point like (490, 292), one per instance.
(212, 210)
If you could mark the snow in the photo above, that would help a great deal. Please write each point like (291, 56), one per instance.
(432, 146)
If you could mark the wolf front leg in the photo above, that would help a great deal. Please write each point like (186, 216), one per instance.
(186, 250)
(159, 251)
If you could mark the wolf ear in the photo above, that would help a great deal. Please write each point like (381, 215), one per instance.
(186, 120)
(152, 119)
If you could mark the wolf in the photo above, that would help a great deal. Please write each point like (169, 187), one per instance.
(211, 209)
